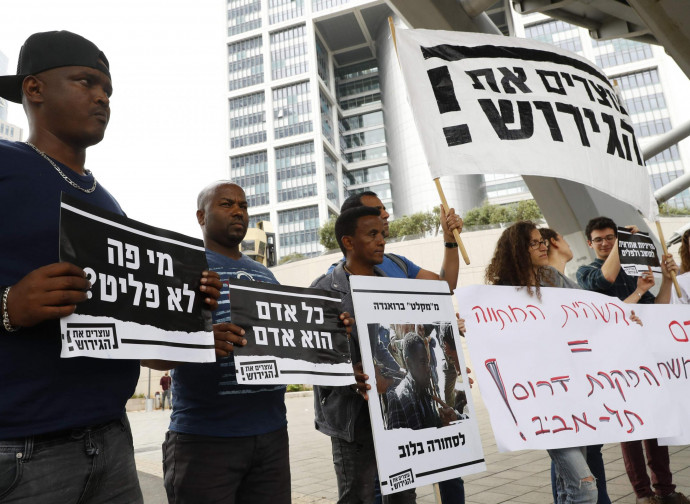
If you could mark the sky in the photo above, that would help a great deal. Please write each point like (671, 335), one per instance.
(167, 136)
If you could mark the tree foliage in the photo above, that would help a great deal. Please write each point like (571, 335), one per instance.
(418, 223)
(666, 209)
(296, 256)
(327, 234)
(500, 214)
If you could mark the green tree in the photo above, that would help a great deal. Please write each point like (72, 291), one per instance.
(291, 257)
(501, 214)
(666, 209)
(327, 234)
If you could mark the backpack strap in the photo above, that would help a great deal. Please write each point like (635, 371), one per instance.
(399, 262)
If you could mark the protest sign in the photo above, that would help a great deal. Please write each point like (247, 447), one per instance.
(293, 335)
(572, 368)
(144, 301)
(422, 414)
(493, 104)
(637, 253)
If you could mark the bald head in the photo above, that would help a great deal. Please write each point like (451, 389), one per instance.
(206, 194)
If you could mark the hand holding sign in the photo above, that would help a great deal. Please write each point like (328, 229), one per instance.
(226, 336)
(211, 285)
(46, 293)
(361, 386)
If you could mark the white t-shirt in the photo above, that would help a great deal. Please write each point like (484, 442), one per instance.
(684, 283)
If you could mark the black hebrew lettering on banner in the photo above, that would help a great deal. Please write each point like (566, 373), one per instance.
(294, 335)
(573, 368)
(637, 253)
(420, 403)
(144, 301)
(493, 104)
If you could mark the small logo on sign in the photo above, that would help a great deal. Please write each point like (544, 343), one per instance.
(91, 337)
(259, 370)
(401, 479)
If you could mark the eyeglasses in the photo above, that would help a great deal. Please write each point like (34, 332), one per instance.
(535, 244)
(599, 239)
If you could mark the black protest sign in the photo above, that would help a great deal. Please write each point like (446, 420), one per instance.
(637, 252)
(143, 278)
(294, 335)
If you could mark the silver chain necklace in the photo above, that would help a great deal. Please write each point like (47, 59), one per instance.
(57, 168)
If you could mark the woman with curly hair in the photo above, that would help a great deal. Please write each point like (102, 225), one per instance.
(521, 259)
(684, 278)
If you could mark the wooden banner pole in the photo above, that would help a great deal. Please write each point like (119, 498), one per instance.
(456, 234)
(665, 249)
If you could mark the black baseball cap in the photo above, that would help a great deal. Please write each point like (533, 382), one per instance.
(48, 50)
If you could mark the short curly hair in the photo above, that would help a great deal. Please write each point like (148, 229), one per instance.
(511, 263)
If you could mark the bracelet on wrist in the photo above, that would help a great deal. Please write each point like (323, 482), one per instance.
(5, 314)
(451, 244)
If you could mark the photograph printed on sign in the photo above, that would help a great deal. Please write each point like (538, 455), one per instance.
(420, 403)
(418, 375)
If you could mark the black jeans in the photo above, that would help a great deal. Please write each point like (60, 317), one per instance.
(251, 469)
(90, 465)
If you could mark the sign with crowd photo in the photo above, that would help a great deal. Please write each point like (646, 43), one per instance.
(573, 369)
(637, 253)
(422, 414)
(144, 301)
(494, 104)
(294, 335)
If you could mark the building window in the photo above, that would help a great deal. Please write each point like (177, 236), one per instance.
(245, 63)
(558, 33)
(295, 171)
(243, 16)
(292, 110)
(362, 121)
(289, 52)
(331, 168)
(255, 219)
(620, 51)
(282, 10)
(247, 120)
(638, 79)
(322, 61)
(366, 175)
(326, 117)
(250, 171)
(366, 154)
(298, 231)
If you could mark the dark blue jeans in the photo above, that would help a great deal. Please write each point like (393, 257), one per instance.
(90, 465)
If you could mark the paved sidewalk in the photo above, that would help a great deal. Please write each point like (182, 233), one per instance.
(522, 477)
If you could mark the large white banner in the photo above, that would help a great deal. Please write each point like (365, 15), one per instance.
(422, 415)
(493, 104)
(573, 369)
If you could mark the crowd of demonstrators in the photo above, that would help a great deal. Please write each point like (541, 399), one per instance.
(55, 446)
(605, 275)
(229, 442)
(521, 259)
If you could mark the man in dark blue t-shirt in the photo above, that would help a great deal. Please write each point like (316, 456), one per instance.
(227, 442)
(64, 435)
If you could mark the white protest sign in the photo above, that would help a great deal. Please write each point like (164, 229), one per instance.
(418, 441)
(294, 335)
(494, 104)
(144, 302)
(572, 369)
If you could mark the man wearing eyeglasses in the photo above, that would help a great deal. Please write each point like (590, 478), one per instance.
(606, 276)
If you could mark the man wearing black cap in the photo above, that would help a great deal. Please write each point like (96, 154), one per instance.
(64, 436)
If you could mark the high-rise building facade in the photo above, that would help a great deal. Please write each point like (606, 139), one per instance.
(308, 122)
(653, 88)
(8, 131)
